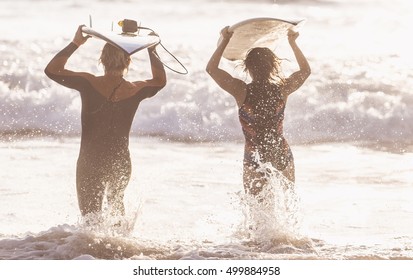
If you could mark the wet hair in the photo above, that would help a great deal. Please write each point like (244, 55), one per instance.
(114, 60)
(263, 64)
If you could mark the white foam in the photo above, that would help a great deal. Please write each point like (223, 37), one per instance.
(357, 90)
(356, 200)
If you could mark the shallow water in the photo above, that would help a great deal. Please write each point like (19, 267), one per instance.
(350, 127)
(356, 206)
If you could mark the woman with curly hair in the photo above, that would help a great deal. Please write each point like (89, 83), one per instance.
(261, 108)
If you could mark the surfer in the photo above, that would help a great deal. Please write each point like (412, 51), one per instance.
(109, 104)
(261, 106)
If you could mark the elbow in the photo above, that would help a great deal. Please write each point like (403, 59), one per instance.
(51, 71)
(209, 70)
(161, 82)
(159, 79)
(47, 71)
(210, 67)
(307, 72)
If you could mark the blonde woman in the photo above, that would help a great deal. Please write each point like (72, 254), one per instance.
(261, 106)
(109, 103)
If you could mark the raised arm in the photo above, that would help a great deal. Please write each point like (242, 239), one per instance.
(296, 80)
(158, 71)
(56, 70)
(150, 87)
(233, 86)
(57, 65)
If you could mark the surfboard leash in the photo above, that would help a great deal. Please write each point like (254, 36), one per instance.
(160, 43)
(174, 57)
(167, 51)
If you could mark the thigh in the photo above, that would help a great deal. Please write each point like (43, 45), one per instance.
(280, 155)
(89, 185)
(254, 180)
(119, 175)
(289, 171)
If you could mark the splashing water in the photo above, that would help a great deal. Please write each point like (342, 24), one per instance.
(352, 114)
(272, 217)
(109, 224)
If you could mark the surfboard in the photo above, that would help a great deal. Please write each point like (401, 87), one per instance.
(128, 42)
(257, 32)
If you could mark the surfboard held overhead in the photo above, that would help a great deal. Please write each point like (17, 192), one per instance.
(257, 32)
(129, 40)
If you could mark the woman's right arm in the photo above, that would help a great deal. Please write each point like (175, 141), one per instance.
(233, 86)
(158, 70)
(149, 88)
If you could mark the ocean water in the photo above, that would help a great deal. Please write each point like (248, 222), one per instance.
(350, 127)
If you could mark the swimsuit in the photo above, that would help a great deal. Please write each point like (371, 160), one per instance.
(261, 117)
(104, 149)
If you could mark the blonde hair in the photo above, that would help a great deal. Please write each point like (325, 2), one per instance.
(114, 60)
(263, 64)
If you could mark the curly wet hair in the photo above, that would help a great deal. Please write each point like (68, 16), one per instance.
(263, 64)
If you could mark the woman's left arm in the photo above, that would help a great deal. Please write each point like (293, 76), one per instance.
(55, 69)
(296, 80)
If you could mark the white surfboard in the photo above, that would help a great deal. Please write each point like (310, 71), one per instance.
(257, 32)
(128, 42)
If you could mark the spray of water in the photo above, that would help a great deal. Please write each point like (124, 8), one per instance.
(108, 224)
(272, 218)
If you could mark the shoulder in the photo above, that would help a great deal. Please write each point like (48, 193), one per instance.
(156, 82)
(294, 82)
(139, 85)
(283, 89)
(86, 76)
(80, 75)
(145, 89)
